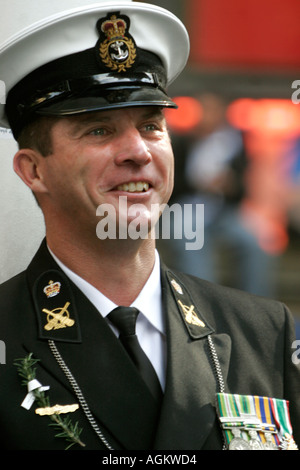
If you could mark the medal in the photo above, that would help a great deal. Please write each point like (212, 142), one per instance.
(269, 444)
(237, 443)
(254, 442)
(288, 443)
(263, 423)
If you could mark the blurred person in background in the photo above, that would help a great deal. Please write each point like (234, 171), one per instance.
(215, 167)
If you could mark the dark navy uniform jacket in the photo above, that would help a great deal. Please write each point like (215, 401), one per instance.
(252, 336)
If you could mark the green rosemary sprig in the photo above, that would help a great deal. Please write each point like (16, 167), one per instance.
(69, 431)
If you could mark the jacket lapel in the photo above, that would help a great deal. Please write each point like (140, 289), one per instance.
(119, 401)
(191, 382)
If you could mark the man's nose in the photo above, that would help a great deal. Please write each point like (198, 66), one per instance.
(132, 148)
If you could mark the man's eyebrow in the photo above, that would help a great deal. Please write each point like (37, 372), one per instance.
(77, 122)
(87, 119)
(153, 113)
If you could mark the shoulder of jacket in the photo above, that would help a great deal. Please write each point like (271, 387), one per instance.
(224, 296)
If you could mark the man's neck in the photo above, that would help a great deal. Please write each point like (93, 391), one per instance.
(118, 268)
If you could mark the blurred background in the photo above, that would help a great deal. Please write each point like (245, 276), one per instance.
(236, 138)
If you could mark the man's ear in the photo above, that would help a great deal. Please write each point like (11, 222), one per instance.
(27, 164)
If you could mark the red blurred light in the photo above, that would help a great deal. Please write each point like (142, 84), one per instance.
(186, 117)
(265, 116)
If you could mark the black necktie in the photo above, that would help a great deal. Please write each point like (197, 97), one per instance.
(124, 318)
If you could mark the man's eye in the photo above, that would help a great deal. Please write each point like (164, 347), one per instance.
(98, 131)
(150, 127)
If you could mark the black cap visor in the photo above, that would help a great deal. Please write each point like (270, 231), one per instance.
(97, 99)
(88, 94)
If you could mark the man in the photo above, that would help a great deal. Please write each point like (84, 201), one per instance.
(92, 135)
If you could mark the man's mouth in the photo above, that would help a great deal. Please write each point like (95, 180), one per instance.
(131, 187)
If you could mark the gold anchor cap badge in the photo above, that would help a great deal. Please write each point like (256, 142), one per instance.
(117, 51)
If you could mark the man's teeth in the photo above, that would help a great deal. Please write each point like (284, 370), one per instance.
(134, 187)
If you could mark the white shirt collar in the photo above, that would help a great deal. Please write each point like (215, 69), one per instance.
(148, 301)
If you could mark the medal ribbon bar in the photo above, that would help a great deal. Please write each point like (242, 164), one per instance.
(255, 422)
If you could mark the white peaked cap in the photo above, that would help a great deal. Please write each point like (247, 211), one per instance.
(35, 33)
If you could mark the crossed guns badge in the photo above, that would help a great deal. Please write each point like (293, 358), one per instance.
(190, 315)
(58, 318)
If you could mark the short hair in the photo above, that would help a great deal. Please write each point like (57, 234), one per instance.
(37, 135)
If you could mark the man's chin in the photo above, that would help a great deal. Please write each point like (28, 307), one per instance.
(135, 224)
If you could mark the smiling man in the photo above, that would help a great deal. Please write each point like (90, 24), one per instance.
(114, 349)
(95, 159)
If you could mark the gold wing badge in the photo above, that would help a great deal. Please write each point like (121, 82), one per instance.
(56, 410)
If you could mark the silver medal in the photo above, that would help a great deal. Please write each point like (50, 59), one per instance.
(237, 442)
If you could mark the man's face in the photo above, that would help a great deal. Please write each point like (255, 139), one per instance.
(98, 157)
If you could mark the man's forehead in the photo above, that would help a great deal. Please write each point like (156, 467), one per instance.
(143, 112)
